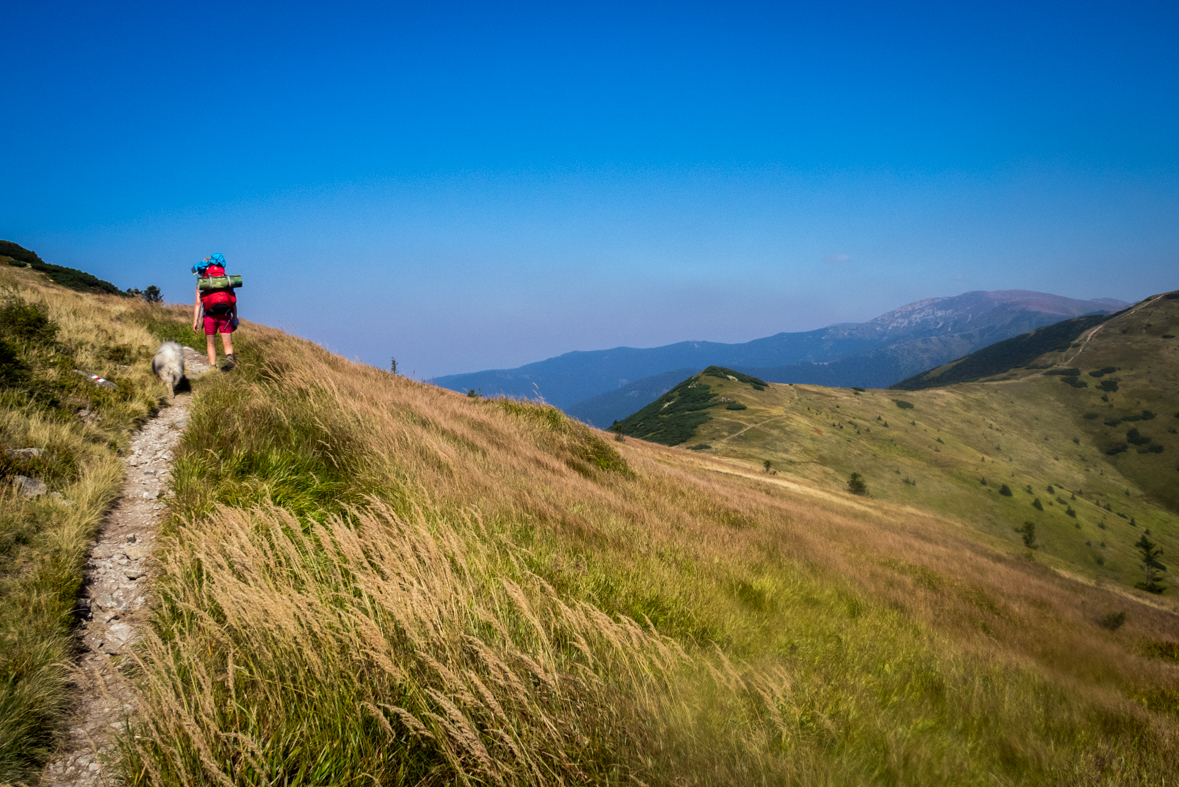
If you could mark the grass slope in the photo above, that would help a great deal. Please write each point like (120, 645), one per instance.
(71, 278)
(370, 579)
(1094, 441)
(77, 430)
(1004, 356)
(1125, 380)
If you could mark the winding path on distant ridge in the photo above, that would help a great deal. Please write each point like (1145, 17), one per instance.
(113, 605)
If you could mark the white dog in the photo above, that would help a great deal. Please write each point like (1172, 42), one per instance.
(169, 365)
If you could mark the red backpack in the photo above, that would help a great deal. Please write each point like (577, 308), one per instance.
(217, 302)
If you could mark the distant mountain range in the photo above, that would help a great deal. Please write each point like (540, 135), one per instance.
(602, 386)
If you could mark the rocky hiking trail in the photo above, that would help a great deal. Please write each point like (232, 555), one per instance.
(114, 602)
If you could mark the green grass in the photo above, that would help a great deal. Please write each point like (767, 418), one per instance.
(1014, 435)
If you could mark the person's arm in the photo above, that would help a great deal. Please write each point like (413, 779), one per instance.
(196, 310)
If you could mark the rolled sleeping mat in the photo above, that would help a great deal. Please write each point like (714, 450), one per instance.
(219, 282)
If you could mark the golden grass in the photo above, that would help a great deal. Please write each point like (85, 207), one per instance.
(44, 541)
(374, 579)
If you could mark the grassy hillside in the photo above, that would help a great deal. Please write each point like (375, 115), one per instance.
(1089, 429)
(370, 579)
(75, 430)
(70, 278)
(1124, 378)
(1005, 356)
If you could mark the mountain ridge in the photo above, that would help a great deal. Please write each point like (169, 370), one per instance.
(569, 381)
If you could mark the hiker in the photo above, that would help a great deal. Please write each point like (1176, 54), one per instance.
(219, 308)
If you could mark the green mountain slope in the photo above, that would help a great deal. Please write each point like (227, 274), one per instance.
(1124, 376)
(71, 278)
(1091, 431)
(1005, 356)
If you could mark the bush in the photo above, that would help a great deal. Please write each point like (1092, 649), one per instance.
(1117, 449)
(1036, 504)
(736, 406)
(1112, 621)
(1110, 385)
(856, 485)
(1160, 649)
(1005, 490)
(1135, 438)
(901, 403)
(1028, 532)
(1103, 372)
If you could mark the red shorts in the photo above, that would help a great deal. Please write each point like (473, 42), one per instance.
(222, 323)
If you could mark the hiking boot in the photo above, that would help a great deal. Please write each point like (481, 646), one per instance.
(229, 363)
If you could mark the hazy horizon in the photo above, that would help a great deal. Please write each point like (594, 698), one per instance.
(471, 188)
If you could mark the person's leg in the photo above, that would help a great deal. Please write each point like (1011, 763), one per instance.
(227, 344)
(211, 349)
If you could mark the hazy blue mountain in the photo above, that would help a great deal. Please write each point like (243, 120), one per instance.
(877, 353)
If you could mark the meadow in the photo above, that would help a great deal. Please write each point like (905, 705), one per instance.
(371, 579)
(365, 579)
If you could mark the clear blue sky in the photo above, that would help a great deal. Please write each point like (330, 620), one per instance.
(470, 186)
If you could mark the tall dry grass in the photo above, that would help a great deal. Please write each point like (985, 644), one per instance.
(44, 541)
(371, 579)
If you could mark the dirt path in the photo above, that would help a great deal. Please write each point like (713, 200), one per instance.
(114, 601)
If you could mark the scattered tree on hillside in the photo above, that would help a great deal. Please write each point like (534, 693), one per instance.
(1036, 504)
(1152, 567)
(856, 485)
(1005, 490)
(1028, 531)
(152, 294)
(393, 368)
(766, 464)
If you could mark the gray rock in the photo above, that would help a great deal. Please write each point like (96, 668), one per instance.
(24, 453)
(120, 633)
(30, 487)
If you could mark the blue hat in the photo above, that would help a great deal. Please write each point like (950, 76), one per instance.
(212, 259)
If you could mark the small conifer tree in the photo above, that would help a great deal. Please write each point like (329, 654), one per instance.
(1152, 567)
(856, 485)
(1028, 531)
